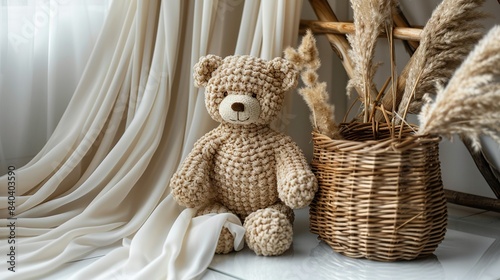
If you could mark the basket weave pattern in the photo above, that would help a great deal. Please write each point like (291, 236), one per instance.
(379, 198)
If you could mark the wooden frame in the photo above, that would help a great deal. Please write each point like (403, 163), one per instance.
(329, 25)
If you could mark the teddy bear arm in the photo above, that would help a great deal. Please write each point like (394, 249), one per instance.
(190, 185)
(296, 182)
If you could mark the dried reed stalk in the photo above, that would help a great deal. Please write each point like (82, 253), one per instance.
(446, 39)
(370, 19)
(470, 104)
(306, 58)
(389, 101)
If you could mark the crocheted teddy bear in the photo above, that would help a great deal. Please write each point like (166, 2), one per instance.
(243, 166)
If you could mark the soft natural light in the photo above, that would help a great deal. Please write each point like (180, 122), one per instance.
(44, 47)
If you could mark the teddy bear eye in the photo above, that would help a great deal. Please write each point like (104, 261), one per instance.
(254, 95)
(225, 93)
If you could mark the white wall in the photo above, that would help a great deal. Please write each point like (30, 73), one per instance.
(458, 169)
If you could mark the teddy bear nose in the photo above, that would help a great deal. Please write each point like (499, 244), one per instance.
(238, 107)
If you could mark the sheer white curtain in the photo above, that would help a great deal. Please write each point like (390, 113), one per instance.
(103, 175)
(44, 46)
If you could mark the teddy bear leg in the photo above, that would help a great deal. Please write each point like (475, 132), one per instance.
(280, 206)
(269, 231)
(226, 239)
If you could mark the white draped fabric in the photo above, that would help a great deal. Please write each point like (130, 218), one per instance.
(103, 175)
(44, 46)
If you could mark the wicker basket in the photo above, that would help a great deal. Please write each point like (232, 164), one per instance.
(379, 198)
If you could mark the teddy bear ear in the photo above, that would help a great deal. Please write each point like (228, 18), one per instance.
(203, 69)
(285, 70)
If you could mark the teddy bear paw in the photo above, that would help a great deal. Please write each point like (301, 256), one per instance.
(268, 232)
(298, 189)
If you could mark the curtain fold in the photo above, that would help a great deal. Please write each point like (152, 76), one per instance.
(103, 175)
(44, 46)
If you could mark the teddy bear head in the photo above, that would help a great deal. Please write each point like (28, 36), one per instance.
(244, 90)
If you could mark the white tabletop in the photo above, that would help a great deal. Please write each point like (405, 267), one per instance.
(470, 250)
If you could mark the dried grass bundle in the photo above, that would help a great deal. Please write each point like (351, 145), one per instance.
(306, 58)
(470, 104)
(447, 38)
(370, 19)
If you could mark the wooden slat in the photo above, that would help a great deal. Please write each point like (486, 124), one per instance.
(338, 42)
(400, 20)
(472, 200)
(324, 27)
(490, 173)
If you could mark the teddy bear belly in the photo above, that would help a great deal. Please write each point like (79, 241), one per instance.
(246, 186)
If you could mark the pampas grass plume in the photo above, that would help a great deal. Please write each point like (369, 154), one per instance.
(447, 38)
(306, 58)
(469, 105)
(370, 19)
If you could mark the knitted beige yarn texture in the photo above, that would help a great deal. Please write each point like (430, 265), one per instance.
(243, 166)
(277, 236)
(226, 239)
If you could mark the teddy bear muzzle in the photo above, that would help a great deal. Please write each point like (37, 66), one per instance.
(239, 109)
